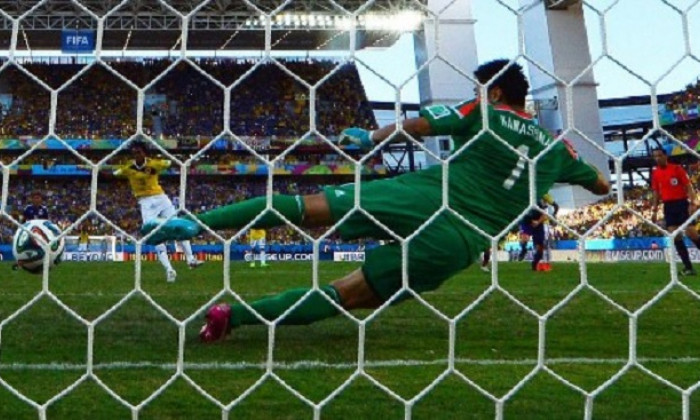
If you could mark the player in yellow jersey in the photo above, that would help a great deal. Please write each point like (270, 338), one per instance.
(142, 173)
(256, 239)
(83, 240)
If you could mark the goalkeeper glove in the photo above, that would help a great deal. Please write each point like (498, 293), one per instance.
(356, 136)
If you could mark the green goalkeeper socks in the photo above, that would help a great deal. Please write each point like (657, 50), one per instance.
(314, 308)
(237, 215)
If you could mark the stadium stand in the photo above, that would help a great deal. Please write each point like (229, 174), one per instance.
(186, 111)
(183, 102)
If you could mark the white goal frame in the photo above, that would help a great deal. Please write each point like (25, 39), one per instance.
(100, 248)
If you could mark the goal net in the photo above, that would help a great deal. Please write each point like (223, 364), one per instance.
(582, 341)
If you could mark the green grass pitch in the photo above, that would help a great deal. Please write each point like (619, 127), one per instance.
(44, 350)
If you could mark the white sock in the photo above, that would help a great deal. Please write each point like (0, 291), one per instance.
(188, 250)
(162, 253)
(262, 257)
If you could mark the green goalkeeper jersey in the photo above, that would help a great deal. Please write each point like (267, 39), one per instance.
(488, 182)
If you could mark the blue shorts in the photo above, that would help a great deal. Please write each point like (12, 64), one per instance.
(536, 232)
(675, 212)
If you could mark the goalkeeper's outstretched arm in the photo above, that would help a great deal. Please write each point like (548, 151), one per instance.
(365, 139)
(415, 127)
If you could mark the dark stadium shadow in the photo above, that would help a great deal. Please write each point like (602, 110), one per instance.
(132, 43)
(241, 28)
(43, 72)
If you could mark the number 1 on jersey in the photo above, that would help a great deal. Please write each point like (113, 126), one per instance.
(519, 167)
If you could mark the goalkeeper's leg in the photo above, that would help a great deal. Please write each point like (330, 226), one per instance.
(309, 210)
(379, 280)
(350, 292)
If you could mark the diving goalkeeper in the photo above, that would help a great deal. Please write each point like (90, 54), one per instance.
(488, 186)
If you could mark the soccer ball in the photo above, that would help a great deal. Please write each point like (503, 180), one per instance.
(27, 245)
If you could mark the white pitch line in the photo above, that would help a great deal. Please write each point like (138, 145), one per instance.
(317, 364)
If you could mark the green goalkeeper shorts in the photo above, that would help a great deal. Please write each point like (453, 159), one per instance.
(441, 249)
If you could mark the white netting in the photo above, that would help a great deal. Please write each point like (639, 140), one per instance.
(263, 20)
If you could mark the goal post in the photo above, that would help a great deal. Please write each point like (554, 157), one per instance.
(98, 248)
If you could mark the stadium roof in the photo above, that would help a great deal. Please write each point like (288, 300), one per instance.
(630, 112)
(213, 25)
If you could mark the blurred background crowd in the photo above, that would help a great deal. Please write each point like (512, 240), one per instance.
(184, 99)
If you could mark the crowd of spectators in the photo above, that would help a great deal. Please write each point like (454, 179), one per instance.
(51, 158)
(265, 101)
(623, 223)
(684, 105)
